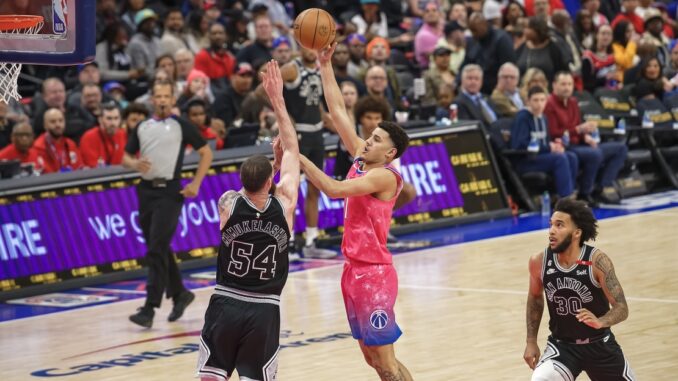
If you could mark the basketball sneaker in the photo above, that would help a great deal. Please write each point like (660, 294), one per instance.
(181, 301)
(143, 317)
(312, 251)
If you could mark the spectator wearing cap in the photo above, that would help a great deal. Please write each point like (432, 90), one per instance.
(104, 145)
(197, 86)
(629, 14)
(492, 13)
(654, 33)
(439, 73)
(490, 48)
(173, 37)
(356, 50)
(428, 35)
(340, 62)
(144, 47)
(56, 152)
(259, 51)
(506, 97)
(216, 61)
(281, 50)
(212, 11)
(228, 104)
(455, 40)
(21, 147)
(116, 91)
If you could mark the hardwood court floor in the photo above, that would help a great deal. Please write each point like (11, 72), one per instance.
(462, 310)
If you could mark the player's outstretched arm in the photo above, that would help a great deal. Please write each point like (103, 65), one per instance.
(288, 187)
(535, 309)
(379, 180)
(603, 270)
(335, 102)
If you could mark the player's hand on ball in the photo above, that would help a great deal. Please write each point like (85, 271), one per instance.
(325, 55)
(587, 317)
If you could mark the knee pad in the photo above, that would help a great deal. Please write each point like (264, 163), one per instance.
(550, 370)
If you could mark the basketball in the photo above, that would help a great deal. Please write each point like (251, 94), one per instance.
(314, 29)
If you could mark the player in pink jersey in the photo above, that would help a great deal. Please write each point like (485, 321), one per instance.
(369, 282)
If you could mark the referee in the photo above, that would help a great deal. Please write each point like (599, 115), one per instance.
(161, 141)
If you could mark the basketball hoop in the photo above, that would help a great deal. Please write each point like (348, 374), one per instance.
(9, 72)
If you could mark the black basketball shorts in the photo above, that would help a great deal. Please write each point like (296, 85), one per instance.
(312, 145)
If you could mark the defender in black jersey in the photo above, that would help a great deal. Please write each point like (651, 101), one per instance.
(242, 322)
(584, 300)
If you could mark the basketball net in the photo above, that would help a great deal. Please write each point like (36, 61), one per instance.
(11, 26)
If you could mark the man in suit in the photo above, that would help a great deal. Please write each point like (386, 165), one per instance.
(471, 103)
(506, 97)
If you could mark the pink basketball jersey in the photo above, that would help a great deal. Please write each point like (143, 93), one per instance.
(367, 221)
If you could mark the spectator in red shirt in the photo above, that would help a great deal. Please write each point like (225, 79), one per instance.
(631, 16)
(196, 112)
(22, 145)
(56, 152)
(216, 61)
(104, 145)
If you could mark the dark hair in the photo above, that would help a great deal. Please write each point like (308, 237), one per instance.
(645, 63)
(171, 10)
(398, 137)
(619, 33)
(561, 73)
(135, 108)
(109, 106)
(594, 46)
(535, 90)
(540, 27)
(370, 103)
(162, 82)
(581, 215)
(254, 173)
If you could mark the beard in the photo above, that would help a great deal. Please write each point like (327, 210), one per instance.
(54, 134)
(563, 245)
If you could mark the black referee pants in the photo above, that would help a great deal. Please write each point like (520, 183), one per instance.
(159, 210)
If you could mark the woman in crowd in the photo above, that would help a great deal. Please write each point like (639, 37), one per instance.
(540, 51)
(599, 68)
(533, 77)
(623, 46)
(584, 29)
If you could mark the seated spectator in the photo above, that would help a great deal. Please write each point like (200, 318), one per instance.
(584, 29)
(236, 29)
(349, 92)
(455, 40)
(513, 12)
(227, 105)
(446, 94)
(654, 34)
(377, 84)
(356, 50)
(672, 69)
(542, 8)
(56, 153)
(91, 103)
(281, 50)
(144, 46)
(259, 51)
(370, 21)
(21, 147)
(593, 7)
(167, 63)
(104, 145)
(340, 63)
(88, 73)
(216, 61)
(197, 30)
(197, 86)
(530, 132)
(197, 113)
(115, 64)
(428, 35)
(599, 68)
(471, 103)
(540, 51)
(506, 97)
(134, 114)
(630, 16)
(645, 51)
(533, 77)
(53, 95)
(173, 37)
(185, 61)
(651, 78)
(116, 91)
(459, 13)
(601, 161)
(563, 34)
(623, 46)
(440, 73)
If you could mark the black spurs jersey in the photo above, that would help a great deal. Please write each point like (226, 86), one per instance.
(253, 251)
(303, 97)
(568, 290)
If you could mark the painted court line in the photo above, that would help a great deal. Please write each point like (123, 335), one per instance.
(113, 290)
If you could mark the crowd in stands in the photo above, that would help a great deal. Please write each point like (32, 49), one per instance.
(526, 60)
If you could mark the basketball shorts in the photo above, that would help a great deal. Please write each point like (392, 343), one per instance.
(370, 293)
(239, 335)
(602, 360)
(312, 145)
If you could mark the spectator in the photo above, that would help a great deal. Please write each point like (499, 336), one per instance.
(91, 102)
(542, 8)
(530, 127)
(349, 92)
(196, 35)
(21, 147)
(440, 73)
(533, 77)
(540, 50)
(88, 73)
(651, 78)
(116, 91)
(212, 11)
(356, 49)
(56, 152)
(490, 48)
(601, 161)
(107, 14)
(278, 14)
(629, 15)
(104, 145)
(167, 63)
(566, 40)
(129, 11)
(281, 50)
(376, 82)
(236, 30)
(585, 30)
(54, 96)
(197, 112)
(471, 103)
(672, 68)
(593, 7)
(197, 86)
(446, 93)
(492, 13)
(340, 63)
(506, 97)
(428, 35)
(517, 32)
(598, 64)
(378, 53)
(654, 33)
(184, 60)
(370, 21)
(623, 47)
(134, 114)
(6, 125)
(216, 61)
(643, 7)
(455, 40)
(173, 37)
(227, 105)
(513, 12)
(258, 52)
(114, 62)
(458, 13)
(645, 51)
(144, 47)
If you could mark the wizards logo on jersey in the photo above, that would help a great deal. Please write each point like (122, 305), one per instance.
(379, 319)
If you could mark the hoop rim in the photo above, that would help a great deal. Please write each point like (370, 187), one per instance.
(15, 22)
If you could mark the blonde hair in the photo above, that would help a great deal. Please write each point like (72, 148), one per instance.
(530, 75)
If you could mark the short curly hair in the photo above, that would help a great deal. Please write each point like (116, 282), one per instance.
(581, 215)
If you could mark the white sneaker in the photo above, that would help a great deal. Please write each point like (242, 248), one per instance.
(293, 256)
(312, 251)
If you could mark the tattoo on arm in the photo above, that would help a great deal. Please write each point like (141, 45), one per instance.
(619, 311)
(535, 309)
(226, 199)
(387, 375)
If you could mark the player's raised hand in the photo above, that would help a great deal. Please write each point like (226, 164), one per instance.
(325, 55)
(587, 317)
(272, 80)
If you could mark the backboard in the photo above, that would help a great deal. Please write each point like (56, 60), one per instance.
(68, 36)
